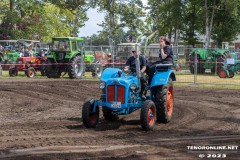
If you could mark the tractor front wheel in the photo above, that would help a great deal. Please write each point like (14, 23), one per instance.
(148, 115)
(76, 68)
(90, 118)
(31, 72)
(164, 100)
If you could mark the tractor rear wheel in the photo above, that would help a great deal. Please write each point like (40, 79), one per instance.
(13, 72)
(76, 69)
(109, 115)
(164, 99)
(31, 72)
(148, 115)
(90, 118)
(52, 70)
(43, 68)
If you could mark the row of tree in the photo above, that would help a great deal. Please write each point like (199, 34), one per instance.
(177, 19)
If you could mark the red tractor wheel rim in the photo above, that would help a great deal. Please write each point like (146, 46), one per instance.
(31, 73)
(222, 74)
(151, 116)
(170, 101)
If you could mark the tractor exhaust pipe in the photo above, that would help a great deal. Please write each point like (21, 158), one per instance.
(137, 49)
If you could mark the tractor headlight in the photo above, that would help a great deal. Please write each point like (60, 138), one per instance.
(133, 86)
(102, 85)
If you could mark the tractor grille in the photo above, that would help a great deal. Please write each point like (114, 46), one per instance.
(116, 93)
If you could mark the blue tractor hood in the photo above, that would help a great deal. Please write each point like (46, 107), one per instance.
(111, 76)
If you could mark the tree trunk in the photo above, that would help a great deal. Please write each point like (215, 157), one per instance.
(209, 26)
(75, 25)
(206, 26)
(11, 5)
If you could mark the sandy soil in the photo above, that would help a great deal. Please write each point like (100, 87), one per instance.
(41, 119)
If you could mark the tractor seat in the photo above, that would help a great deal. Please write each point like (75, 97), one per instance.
(163, 67)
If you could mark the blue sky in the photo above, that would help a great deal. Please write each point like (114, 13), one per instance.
(91, 26)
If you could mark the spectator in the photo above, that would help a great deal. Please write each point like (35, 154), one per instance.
(30, 51)
(21, 53)
(26, 53)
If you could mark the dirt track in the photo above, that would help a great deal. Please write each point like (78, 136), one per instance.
(41, 119)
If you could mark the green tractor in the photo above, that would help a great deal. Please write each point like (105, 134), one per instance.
(212, 59)
(8, 54)
(66, 55)
(231, 66)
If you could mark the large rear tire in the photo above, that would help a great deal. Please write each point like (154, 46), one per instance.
(43, 68)
(76, 69)
(164, 100)
(148, 115)
(13, 72)
(51, 69)
(90, 118)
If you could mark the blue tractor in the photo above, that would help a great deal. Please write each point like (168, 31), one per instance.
(121, 95)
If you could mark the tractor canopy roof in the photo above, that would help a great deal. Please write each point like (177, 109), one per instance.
(13, 41)
(128, 44)
(68, 39)
(27, 42)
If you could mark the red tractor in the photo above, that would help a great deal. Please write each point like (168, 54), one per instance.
(29, 65)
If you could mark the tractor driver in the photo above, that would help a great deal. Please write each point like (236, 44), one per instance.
(131, 64)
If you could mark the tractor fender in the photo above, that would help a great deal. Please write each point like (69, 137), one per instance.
(161, 78)
(77, 54)
(110, 73)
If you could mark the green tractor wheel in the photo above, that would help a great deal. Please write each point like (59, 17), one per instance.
(76, 69)
(43, 69)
